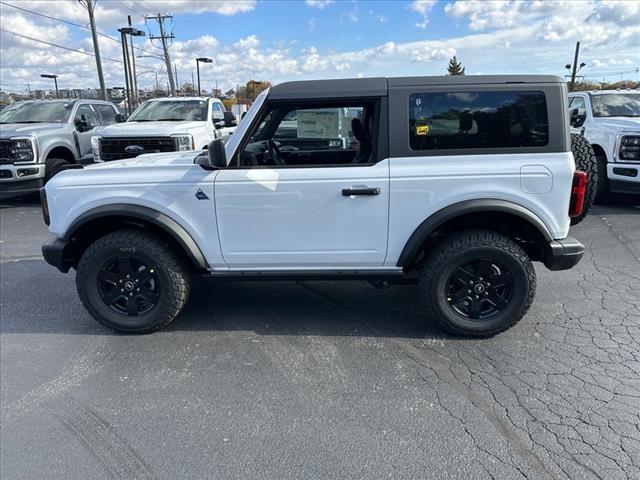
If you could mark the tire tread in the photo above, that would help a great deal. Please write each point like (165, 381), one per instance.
(459, 241)
(154, 246)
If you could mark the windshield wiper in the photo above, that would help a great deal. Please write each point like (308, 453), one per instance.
(26, 121)
(170, 120)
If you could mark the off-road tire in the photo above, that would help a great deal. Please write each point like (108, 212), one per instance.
(53, 166)
(452, 252)
(586, 161)
(172, 275)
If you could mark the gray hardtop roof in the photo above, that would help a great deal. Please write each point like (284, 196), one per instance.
(378, 86)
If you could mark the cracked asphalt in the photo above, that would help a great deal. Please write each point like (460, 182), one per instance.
(282, 380)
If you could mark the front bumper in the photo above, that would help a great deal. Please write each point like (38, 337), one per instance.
(17, 180)
(59, 253)
(624, 177)
(563, 254)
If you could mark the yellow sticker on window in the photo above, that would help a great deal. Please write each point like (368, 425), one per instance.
(422, 129)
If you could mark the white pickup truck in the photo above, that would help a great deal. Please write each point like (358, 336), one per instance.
(164, 125)
(610, 121)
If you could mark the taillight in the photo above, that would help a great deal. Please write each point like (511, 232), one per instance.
(578, 191)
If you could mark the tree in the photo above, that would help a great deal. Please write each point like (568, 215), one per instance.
(455, 67)
(254, 87)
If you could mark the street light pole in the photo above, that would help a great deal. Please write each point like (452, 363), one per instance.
(55, 80)
(203, 60)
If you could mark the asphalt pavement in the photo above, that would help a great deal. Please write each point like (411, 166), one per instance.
(283, 380)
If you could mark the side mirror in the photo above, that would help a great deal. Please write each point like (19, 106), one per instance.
(575, 120)
(229, 119)
(82, 124)
(219, 123)
(216, 156)
(121, 117)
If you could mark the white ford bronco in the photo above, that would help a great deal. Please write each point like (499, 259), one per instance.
(40, 137)
(457, 183)
(610, 121)
(164, 125)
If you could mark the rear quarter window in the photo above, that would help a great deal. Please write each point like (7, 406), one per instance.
(478, 120)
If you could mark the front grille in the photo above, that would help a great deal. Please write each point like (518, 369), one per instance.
(4, 152)
(114, 148)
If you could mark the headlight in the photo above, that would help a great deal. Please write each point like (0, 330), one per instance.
(183, 142)
(23, 150)
(630, 148)
(95, 146)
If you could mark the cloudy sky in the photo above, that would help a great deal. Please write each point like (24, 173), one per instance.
(281, 40)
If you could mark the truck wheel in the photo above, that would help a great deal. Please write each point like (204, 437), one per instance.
(131, 281)
(586, 161)
(477, 283)
(602, 192)
(52, 167)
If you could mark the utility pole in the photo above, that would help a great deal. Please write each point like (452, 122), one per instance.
(575, 67)
(134, 78)
(157, 86)
(89, 5)
(163, 38)
(175, 71)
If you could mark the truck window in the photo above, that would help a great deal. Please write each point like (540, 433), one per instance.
(322, 136)
(477, 120)
(107, 113)
(578, 103)
(217, 113)
(89, 114)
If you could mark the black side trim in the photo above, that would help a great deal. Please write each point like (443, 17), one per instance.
(563, 254)
(58, 252)
(412, 247)
(124, 210)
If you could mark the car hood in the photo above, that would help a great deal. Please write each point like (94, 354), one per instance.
(126, 129)
(624, 124)
(149, 160)
(15, 129)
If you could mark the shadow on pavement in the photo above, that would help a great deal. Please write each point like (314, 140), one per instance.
(344, 308)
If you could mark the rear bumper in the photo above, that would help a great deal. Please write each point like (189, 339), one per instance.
(563, 254)
(58, 252)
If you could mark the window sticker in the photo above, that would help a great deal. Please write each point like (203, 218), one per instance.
(422, 129)
(318, 123)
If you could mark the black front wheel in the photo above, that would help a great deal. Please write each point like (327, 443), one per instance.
(131, 281)
(477, 283)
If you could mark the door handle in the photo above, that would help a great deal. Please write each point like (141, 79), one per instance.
(348, 192)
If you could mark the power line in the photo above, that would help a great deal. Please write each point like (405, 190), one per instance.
(66, 48)
(113, 39)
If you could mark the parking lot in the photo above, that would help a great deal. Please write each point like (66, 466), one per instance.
(323, 380)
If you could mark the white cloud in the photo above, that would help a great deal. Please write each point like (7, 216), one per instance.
(248, 42)
(320, 4)
(538, 39)
(423, 7)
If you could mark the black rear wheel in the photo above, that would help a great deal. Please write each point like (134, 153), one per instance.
(477, 283)
(132, 281)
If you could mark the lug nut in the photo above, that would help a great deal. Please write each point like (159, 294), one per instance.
(477, 297)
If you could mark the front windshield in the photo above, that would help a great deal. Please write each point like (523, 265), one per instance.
(616, 105)
(36, 112)
(168, 111)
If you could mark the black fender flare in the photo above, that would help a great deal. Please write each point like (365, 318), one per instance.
(146, 214)
(427, 227)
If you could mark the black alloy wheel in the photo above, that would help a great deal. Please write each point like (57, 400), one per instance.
(479, 290)
(128, 286)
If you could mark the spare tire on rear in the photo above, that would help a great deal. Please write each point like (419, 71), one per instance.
(586, 161)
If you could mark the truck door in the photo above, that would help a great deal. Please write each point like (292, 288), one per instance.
(308, 191)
